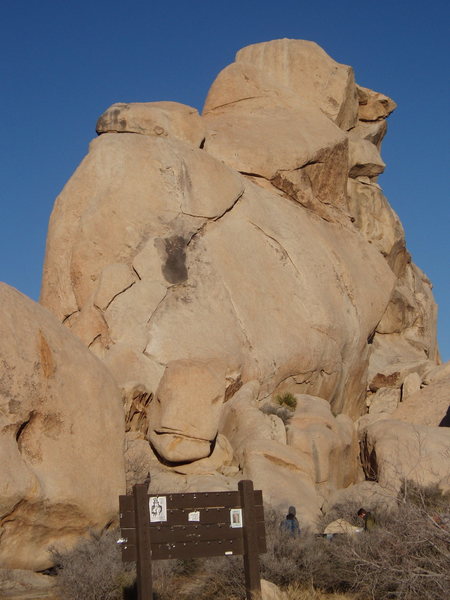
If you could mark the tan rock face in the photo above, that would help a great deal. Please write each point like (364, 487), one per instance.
(172, 276)
(369, 494)
(61, 425)
(364, 159)
(160, 119)
(427, 406)
(298, 137)
(373, 132)
(411, 385)
(385, 400)
(187, 389)
(373, 106)
(330, 442)
(169, 184)
(392, 359)
(309, 72)
(377, 222)
(437, 373)
(396, 451)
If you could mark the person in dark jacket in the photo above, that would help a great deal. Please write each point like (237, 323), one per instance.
(290, 522)
(367, 517)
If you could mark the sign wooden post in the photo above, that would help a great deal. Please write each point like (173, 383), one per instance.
(251, 556)
(191, 525)
(143, 545)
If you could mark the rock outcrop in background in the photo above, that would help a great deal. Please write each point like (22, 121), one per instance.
(214, 262)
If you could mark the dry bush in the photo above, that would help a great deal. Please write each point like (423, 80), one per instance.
(137, 471)
(284, 413)
(202, 579)
(93, 569)
(294, 561)
(283, 406)
(406, 557)
(296, 592)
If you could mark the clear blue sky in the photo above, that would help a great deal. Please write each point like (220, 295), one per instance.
(64, 61)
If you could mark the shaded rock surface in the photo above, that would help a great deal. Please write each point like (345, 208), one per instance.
(61, 425)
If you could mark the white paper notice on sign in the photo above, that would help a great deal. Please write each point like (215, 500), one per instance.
(236, 518)
(158, 509)
(194, 515)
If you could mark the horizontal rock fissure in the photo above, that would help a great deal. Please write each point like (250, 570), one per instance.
(234, 102)
(178, 433)
(168, 463)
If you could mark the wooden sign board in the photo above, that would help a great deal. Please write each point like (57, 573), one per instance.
(197, 525)
(194, 525)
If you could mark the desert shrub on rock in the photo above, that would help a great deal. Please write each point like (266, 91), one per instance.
(287, 399)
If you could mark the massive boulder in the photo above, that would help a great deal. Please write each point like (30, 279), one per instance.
(61, 436)
(164, 261)
(297, 71)
(252, 248)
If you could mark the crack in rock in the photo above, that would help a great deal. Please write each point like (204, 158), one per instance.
(282, 248)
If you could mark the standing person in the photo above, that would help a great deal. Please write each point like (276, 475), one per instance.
(290, 523)
(367, 517)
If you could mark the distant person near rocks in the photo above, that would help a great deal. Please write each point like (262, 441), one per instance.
(290, 523)
(367, 517)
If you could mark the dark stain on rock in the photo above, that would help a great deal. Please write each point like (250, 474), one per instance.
(381, 380)
(111, 121)
(46, 357)
(174, 269)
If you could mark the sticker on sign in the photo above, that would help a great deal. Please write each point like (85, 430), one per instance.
(194, 515)
(236, 518)
(158, 509)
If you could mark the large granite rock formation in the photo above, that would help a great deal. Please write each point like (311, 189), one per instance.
(61, 436)
(212, 262)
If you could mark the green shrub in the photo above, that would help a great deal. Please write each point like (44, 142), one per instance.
(287, 399)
